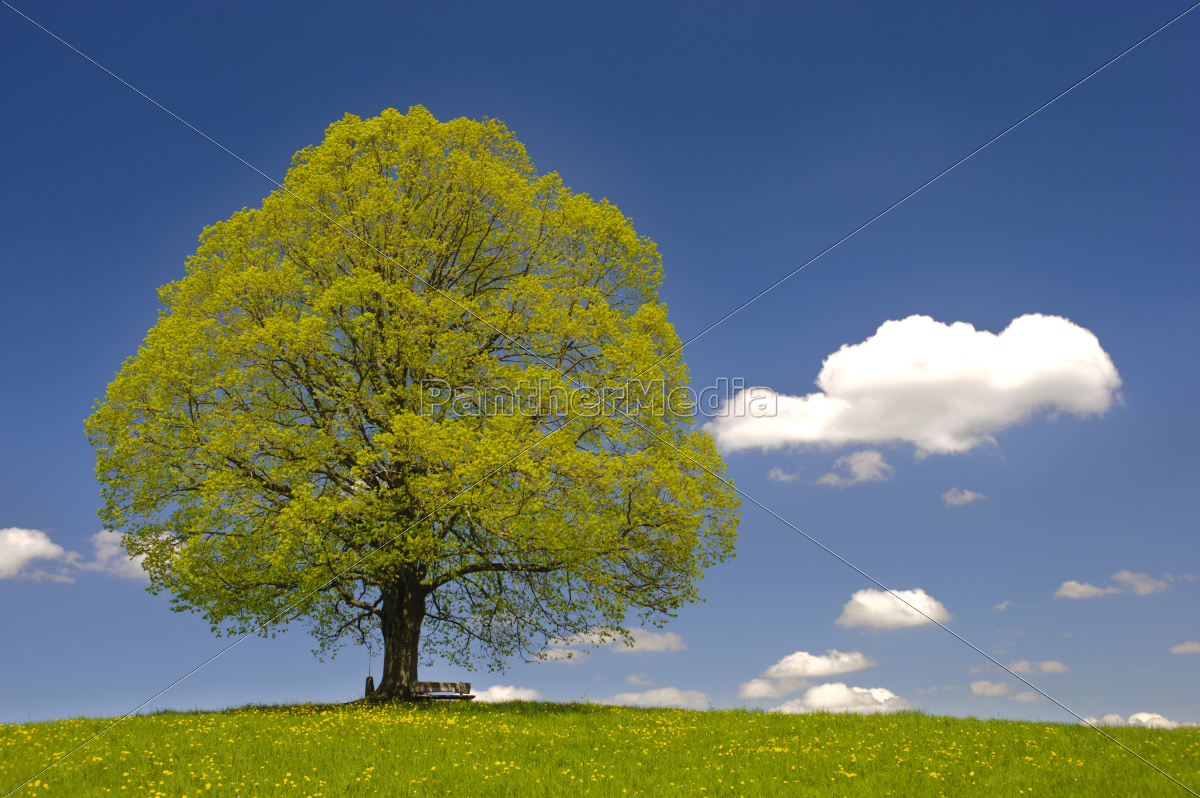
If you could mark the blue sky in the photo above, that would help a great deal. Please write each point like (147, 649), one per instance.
(743, 143)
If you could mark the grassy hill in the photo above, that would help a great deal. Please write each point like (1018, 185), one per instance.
(543, 749)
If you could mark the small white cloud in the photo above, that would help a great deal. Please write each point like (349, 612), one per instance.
(646, 640)
(39, 575)
(791, 673)
(1139, 583)
(924, 690)
(1108, 720)
(19, 547)
(563, 649)
(1076, 590)
(662, 697)
(770, 688)
(1132, 582)
(837, 697)
(1002, 606)
(758, 688)
(1151, 720)
(1190, 647)
(639, 679)
(593, 639)
(1046, 666)
(804, 665)
(878, 610)
(942, 387)
(1029, 697)
(779, 475)
(499, 692)
(989, 689)
(866, 466)
(108, 557)
(957, 497)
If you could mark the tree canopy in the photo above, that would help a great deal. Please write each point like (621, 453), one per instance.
(394, 401)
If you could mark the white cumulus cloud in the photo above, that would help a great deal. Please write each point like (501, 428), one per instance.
(957, 497)
(1151, 720)
(1002, 606)
(646, 640)
(837, 697)
(942, 387)
(1107, 720)
(19, 547)
(878, 610)
(865, 466)
(500, 692)
(1029, 697)
(989, 689)
(791, 673)
(770, 688)
(1073, 589)
(1140, 584)
(592, 639)
(662, 697)
(1046, 666)
(108, 557)
(1148, 720)
(570, 649)
(640, 679)
(1190, 647)
(804, 665)
(779, 475)
(1130, 582)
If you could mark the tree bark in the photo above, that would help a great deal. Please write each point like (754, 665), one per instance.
(403, 612)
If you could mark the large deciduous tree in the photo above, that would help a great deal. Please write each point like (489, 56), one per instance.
(393, 402)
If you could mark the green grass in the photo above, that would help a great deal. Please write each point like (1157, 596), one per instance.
(542, 749)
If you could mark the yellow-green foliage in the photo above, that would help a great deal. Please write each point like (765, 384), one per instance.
(525, 749)
(276, 426)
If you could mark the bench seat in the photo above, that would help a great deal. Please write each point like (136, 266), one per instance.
(452, 691)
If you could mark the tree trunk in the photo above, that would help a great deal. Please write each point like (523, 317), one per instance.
(403, 612)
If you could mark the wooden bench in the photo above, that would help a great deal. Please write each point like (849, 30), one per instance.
(452, 691)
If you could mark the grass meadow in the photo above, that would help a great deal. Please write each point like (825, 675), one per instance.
(545, 749)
